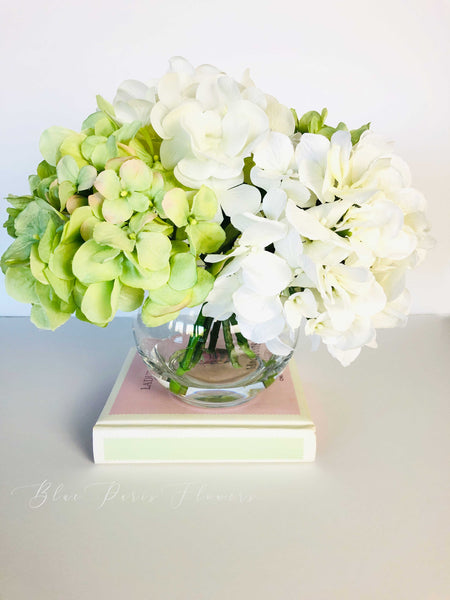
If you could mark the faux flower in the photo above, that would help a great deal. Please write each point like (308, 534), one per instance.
(200, 190)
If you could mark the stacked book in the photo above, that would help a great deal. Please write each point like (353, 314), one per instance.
(142, 422)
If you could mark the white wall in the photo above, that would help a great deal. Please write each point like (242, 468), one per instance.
(385, 62)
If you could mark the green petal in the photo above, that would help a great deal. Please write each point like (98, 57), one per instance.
(138, 201)
(60, 261)
(18, 252)
(205, 204)
(86, 178)
(135, 175)
(90, 144)
(116, 210)
(205, 283)
(50, 142)
(63, 287)
(152, 309)
(100, 301)
(151, 321)
(75, 202)
(87, 265)
(66, 190)
(72, 146)
(48, 318)
(153, 250)
(20, 284)
(134, 276)
(71, 231)
(183, 271)
(46, 242)
(112, 235)
(130, 298)
(205, 237)
(176, 206)
(37, 266)
(108, 184)
(167, 296)
(67, 170)
(88, 226)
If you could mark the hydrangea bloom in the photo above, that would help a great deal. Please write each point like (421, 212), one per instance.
(199, 190)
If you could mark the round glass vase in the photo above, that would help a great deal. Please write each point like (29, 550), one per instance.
(204, 362)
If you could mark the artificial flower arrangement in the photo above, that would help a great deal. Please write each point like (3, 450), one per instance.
(197, 190)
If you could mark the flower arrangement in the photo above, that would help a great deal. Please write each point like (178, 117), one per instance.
(199, 190)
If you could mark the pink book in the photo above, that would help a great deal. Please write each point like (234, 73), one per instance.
(143, 422)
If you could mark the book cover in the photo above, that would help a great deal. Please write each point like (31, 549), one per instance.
(143, 423)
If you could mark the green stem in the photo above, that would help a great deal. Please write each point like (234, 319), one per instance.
(241, 340)
(230, 344)
(214, 336)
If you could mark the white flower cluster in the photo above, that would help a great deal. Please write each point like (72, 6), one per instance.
(328, 240)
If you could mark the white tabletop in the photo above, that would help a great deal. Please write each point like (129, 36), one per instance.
(369, 520)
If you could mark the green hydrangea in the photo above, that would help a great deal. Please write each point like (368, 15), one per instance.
(106, 228)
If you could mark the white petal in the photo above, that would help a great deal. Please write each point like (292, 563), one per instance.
(339, 155)
(266, 273)
(274, 153)
(260, 232)
(280, 117)
(312, 159)
(274, 203)
(240, 199)
(276, 346)
(255, 307)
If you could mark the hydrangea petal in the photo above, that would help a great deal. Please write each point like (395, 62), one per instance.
(135, 175)
(108, 184)
(153, 250)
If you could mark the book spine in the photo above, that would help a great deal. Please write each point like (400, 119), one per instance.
(141, 445)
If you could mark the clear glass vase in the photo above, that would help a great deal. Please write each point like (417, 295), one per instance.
(204, 362)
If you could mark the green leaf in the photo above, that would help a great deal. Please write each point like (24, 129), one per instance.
(205, 237)
(112, 235)
(45, 170)
(100, 301)
(18, 252)
(130, 298)
(87, 265)
(50, 143)
(357, 133)
(105, 106)
(204, 205)
(20, 284)
(153, 250)
(176, 206)
(67, 170)
(127, 131)
(183, 271)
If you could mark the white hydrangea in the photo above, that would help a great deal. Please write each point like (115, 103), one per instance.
(210, 123)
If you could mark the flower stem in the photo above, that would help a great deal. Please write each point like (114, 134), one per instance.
(229, 343)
